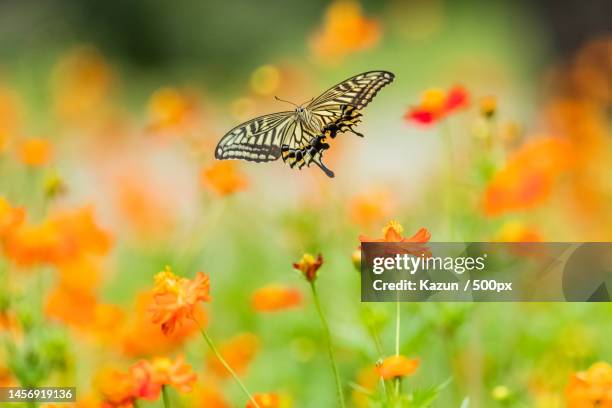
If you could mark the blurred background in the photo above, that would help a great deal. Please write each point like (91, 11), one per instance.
(109, 115)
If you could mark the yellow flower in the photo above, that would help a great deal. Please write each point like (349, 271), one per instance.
(54, 185)
(488, 106)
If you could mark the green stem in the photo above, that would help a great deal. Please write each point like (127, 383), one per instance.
(397, 342)
(330, 349)
(450, 188)
(217, 354)
(165, 396)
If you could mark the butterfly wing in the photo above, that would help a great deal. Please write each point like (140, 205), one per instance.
(257, 140)
(357, 92)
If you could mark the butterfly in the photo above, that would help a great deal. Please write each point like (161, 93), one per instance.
(300, 136)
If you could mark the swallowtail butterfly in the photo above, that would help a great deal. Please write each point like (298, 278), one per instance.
(300, 136)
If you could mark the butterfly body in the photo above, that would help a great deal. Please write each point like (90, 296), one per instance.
(300, 136)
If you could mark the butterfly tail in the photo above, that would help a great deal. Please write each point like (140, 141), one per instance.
(327, 171)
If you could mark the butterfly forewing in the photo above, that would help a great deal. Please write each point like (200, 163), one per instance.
(257, 140)
(357, 91)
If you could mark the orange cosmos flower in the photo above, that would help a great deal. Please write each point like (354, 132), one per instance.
(238, 352)
(171, 109)
(309, 266)
(367, 379)
(143, 206)
(177, 298)
(274, 297)
(117, 388)
(516, 231)
(160, 371)
(267, 400)
(392, 232)
(10, 113)
(224, 178)
(436, 104)
(590, 388)
(397, 366)
(370, 207)
(345, 30)
(35, 152)
(82, 84)
(10, 217)
(4, 140)
(73, 307)
(146, 385)
(141, 337)
(208, 394)
(82, 273)
(177, 373)
(107, 322)
(63, 237)
(528, 176)
(6, 377)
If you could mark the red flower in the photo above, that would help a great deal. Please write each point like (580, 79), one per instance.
(436, 104)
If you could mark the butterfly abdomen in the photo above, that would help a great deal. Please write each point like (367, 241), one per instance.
(306, 155)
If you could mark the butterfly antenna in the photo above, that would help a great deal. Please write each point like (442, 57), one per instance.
(311, 99)
(282, 100)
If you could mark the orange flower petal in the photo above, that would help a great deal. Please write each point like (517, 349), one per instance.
(274, 298)
(397, 366)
